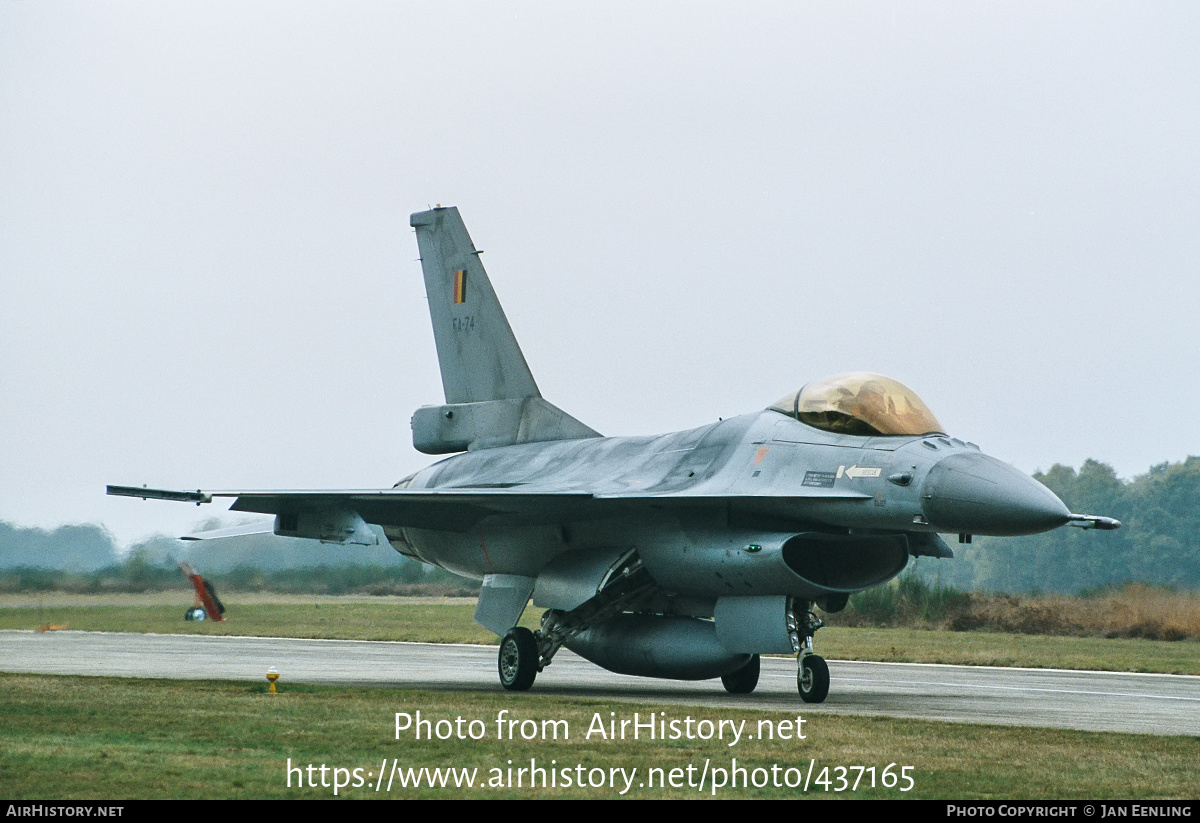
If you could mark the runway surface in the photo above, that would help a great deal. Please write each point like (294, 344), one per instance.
(1096, 701)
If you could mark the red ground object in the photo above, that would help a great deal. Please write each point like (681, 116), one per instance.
(206, 597)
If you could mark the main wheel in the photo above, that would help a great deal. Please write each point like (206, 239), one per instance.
(812, 679)
(744, 679)
(518, 659)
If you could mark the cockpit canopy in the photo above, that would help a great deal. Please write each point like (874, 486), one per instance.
(860, 404)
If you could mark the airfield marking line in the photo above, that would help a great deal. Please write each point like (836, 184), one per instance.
(254, 637)
(769, 674)
(960, 666)
(969, 667)
(491, 645)
(956, 666)
(440, 668)
(1023, 689)
(1011, 668)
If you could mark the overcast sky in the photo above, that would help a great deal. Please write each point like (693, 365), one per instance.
(207, 278)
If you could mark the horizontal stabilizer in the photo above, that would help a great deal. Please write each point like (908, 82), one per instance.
(244, 530)
(469, 426)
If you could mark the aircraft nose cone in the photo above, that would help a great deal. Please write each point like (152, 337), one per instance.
(971, 493)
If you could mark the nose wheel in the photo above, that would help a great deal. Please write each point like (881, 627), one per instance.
(812, 678)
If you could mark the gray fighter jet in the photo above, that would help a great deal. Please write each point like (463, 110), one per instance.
(682, 555)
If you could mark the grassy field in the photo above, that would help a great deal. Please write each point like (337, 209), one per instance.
(108, 738)
(1133, 610)
(365, 618)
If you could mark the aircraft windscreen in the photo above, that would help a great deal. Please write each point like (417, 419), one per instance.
(860, 404)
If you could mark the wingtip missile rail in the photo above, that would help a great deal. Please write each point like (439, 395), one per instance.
(145, 493)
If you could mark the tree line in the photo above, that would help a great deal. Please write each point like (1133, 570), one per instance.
(87, 559)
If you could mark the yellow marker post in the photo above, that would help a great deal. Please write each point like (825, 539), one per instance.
(272, 676)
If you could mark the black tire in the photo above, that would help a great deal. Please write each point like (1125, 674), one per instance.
(812, 679)
(518, 662)
(744, 679)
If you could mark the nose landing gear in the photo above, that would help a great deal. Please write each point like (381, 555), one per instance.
(812, 678)
(812, 672)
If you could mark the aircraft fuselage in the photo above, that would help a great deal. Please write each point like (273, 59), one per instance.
(756, 473)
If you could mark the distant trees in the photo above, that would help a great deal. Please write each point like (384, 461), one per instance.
(83, 548)
(85, 559)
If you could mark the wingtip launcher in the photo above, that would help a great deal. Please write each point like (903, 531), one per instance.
(1094, 521)
(145, 493)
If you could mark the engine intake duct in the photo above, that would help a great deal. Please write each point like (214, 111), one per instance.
(846, 563)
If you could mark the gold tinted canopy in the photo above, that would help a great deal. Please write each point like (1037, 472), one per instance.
(861, 404)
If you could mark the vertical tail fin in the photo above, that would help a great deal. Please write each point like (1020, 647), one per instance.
(491, 396)
(478, 354)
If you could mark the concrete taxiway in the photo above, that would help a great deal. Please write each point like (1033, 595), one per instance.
(1095, 701)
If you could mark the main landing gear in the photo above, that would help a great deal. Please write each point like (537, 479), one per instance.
(744, 679)
(812, 672)
(524, 653)
(518, 659)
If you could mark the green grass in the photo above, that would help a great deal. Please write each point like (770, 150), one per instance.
(1133, 610)
(108, 738)
(428, 622)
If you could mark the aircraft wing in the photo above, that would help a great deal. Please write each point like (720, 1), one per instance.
(460, 509)
(453, 509)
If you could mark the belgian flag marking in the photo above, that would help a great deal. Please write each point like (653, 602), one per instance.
(460, 286)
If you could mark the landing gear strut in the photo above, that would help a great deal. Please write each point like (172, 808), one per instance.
(812, 672)
(518, 659)
(524, 653)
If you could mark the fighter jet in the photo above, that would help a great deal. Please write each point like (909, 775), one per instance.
(683, 555)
